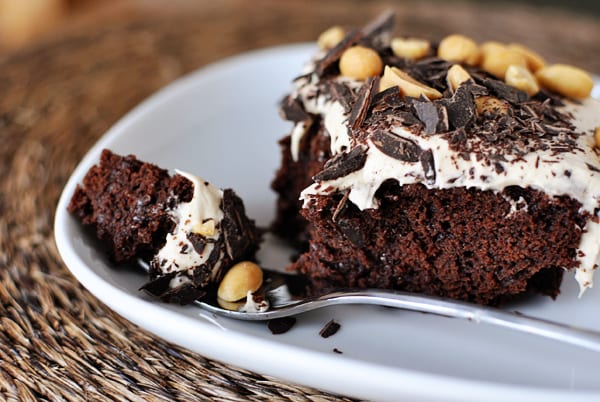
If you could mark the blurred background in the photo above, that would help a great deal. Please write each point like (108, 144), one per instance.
(23, 22)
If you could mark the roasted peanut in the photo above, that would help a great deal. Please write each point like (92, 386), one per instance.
(566, 80)
(393, 76)
(410, 48)
(331, 37)
(496, 59)
(243, 277)
(521, 78)
(490, 46)
(597, 137)
(206, 228)
(456, 76)
(533, 59)
(491, 106)
(458, 48)
(360, 62)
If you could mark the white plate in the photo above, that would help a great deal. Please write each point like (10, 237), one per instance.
(222, 123)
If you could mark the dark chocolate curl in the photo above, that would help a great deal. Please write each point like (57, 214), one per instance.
(428, 166)
(433, 115)
(375, 32)
(343, 164)
(504, 91)
(334, 54)
(292, 110)
(396, 147)
(362, 104)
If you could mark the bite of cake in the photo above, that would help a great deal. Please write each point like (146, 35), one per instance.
(457, 169)
(188, 231)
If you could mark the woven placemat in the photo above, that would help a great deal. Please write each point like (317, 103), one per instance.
(58, 342)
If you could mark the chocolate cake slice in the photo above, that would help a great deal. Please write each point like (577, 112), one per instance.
(454, 169)
(188, 231)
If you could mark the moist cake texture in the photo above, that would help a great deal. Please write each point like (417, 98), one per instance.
(440, 172)
(188, 231)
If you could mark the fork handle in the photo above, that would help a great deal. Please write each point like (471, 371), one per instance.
(580, 337)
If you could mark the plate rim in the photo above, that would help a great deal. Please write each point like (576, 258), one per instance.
(415, 384)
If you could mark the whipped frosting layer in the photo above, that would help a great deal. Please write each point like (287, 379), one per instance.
(564, 164)
(202, 215)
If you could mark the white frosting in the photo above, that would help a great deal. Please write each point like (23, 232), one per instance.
(202, 214)
(554, 173)
(254, 306)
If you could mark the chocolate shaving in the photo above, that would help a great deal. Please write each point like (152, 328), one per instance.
(592, 168)
(388, 98)
(342, 93)
(343, 164)
(383, 24)
(503, 91)
(281, 325)
(334, 54)
(198, 242)
(238, 234)
(184, 294)
(461, 107)
(397, 147)
(431, 71)
(340, 206)
(361, 106)
(292, 110)
(336, 350)
(434, 116)
(329, 329)
(428, 166)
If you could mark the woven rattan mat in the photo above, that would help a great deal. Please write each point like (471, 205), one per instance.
(58, 342)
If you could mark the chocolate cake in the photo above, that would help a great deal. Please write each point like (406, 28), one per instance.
(188, 231)
(454, 169)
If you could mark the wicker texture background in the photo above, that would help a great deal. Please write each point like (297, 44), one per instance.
(57, 342)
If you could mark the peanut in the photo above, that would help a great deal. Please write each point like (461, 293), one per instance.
(243, 277)
(393, 76)
(497, 58)
(490, 46)
(458, 48)
(456, 76)
(521, 78)
(533, 59)
(597, 137)
(331, 37)
(410, 48)
(491, 106)
(206, 228)
(360, 62)
(566, 80)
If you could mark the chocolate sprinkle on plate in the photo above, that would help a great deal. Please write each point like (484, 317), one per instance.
(329, 329)
(281, 325)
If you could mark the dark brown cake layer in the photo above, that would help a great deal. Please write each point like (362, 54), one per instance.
(125, 201)
(293, 176)
(459, 243)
